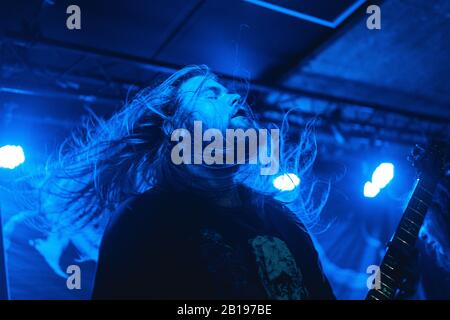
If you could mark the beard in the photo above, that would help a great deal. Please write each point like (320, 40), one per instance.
(242, 123)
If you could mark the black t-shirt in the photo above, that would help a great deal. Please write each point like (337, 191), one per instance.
(175, 245)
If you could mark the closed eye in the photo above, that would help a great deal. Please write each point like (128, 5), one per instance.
(212, 93)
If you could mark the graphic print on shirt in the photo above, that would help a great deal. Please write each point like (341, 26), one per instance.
(277, 269)
(276, 266)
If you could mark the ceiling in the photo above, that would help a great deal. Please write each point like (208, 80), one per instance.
(405, 65)
(387, 85)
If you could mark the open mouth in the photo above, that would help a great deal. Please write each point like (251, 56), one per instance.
(240, 112)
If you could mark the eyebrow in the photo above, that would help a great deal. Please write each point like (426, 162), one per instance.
(217, 89)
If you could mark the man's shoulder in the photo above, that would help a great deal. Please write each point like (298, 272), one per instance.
(281, 212)
(149, 200)
(139, 209)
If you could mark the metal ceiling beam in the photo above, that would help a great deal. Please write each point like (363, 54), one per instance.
(385, 99)
(59, 94)
(93, 80)
(166, 68)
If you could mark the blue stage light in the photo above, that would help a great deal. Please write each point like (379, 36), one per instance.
(383, 174)
(381, 177)
(11, 157)
(370, 190)
(286, 182)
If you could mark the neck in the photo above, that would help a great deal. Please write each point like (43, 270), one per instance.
(216, 184)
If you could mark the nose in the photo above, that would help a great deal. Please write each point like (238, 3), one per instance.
(234, 99)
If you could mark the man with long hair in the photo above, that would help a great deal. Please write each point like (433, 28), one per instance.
(189, 230)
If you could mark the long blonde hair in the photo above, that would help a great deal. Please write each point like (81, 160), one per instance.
(106, 162)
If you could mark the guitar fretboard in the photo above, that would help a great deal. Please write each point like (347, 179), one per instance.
(403, 242)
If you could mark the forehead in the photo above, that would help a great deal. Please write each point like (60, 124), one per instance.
(193, 84)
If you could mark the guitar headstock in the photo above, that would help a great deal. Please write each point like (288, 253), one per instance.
(431, 159)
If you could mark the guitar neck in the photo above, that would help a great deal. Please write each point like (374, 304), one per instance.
(392, 268)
